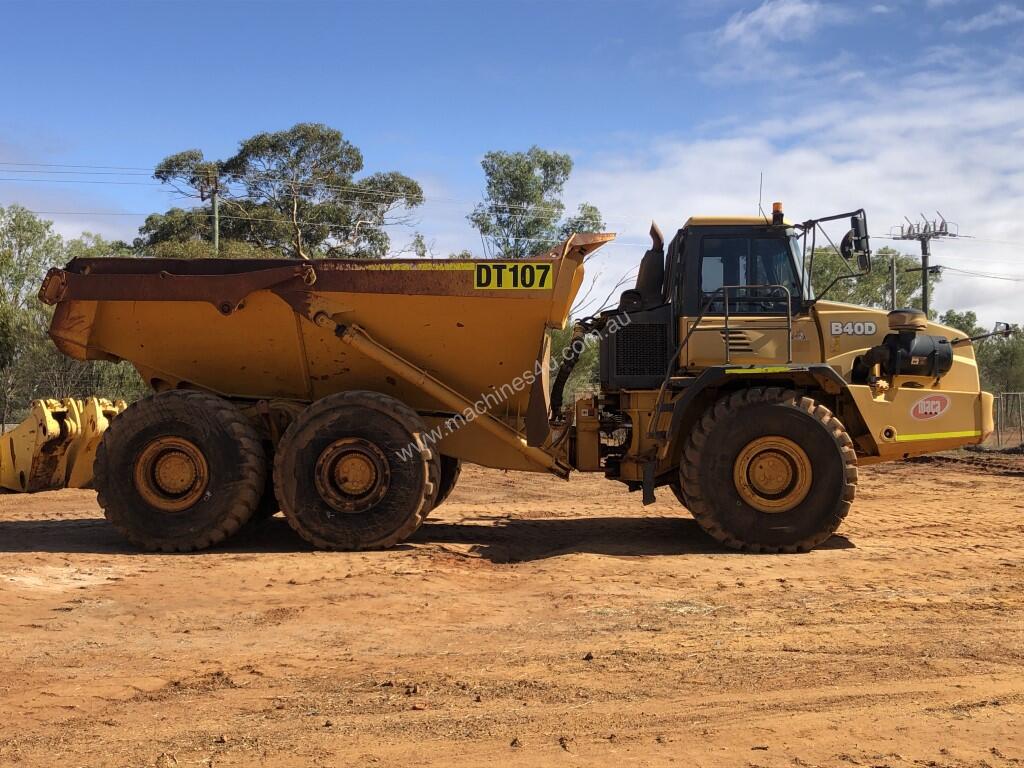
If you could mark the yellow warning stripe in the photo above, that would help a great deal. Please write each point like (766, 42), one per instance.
(767, 369)
(938, 435)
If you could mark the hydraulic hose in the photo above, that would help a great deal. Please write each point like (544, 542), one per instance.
(569, 360)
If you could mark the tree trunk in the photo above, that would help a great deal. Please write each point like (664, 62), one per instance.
(295, 224)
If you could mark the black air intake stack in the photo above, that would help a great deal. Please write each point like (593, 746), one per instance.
(907, 351)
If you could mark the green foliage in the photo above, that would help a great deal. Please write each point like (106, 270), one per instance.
(585, 376)
(28, 247)
(92, 246)
(873, 289)
(965, 322)
(1000, 359)
(587, 219)
(8, 336)
(189, 170)
(203, 249)
(292, 193)
(178, 225)
(522, 207)
(30, 366)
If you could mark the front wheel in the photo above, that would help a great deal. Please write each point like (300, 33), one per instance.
(768, 470)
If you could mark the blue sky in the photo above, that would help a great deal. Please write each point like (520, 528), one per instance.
(668, 108)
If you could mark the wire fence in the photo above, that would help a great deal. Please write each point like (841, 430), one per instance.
(1009, 417)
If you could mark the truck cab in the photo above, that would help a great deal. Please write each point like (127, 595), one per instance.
(737, 281)
(723, 340)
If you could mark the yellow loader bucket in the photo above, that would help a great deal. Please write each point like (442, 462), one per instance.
(55, 446)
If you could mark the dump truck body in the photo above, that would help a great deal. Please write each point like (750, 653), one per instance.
(245, 330)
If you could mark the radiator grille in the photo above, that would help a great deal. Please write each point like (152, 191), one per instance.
(641, 349)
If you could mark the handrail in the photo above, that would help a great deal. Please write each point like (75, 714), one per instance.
(672, 362)
(724, 292)
(789, 315)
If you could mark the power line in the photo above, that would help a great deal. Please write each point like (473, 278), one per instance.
(355, 194)
(145, 170)
(76, 173)
(961, 238)
(317, 182)
(988, 275)
(69, 165)
(83, 181)
(360, 193)
(199, 214)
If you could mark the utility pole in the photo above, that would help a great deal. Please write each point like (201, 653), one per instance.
(892, 280)
(216, 219)
(924, 232)
(209, 187)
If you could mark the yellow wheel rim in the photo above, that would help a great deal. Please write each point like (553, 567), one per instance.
(352, 475)
(355, 474)
(171, 474)
(772, 474)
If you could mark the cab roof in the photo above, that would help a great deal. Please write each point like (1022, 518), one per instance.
(727, 221)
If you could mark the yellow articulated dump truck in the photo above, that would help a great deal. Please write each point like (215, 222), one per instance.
(347, 393)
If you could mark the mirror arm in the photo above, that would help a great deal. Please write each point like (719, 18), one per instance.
(1005, 332)
(837, 279)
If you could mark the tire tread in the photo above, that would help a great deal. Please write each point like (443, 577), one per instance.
(690, 469)
(242, 505)
(391, 407)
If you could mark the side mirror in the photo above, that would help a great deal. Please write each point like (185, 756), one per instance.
(864, 261)
(856, 242)
(861, 242)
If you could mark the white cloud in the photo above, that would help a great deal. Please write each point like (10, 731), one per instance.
(779, 20)
(932, 141)
(997, 16)
(760, 44)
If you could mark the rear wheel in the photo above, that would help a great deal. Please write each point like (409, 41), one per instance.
(179, 471)
(352, 472)
(768, 470)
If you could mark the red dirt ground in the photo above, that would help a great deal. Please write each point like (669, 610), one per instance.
(530, 622)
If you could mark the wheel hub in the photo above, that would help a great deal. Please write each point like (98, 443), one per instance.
(171, 474)
(174, 472)
(772, 474)
(355, 474)
(352, 475)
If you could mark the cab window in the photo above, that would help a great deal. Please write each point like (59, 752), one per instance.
(752, 263)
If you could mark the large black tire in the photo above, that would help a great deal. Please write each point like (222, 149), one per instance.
(268, 506)
(209, 451)
(451, 468)
(769, 470)
(382, 496)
